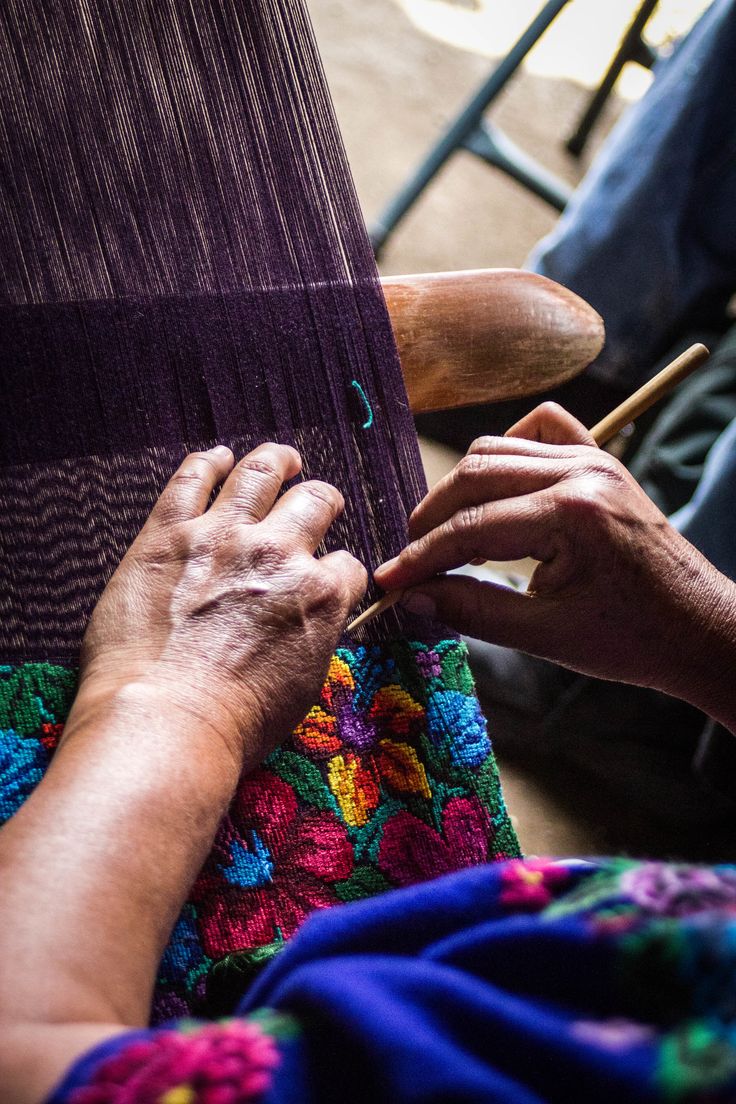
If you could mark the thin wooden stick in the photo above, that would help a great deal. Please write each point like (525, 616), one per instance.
(382, 604)
(651, 392)
(631, 408)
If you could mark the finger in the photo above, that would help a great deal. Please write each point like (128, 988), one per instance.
(551, 424)
(486, 611)
(188, 491)
(255, 482)
(350, 572)
(479, 478)
(306, 512)
(521, 446)
(506, 530)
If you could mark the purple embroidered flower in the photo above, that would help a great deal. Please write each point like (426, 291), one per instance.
(429, 664)
(680, 890)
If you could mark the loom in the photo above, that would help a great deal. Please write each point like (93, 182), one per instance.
(185, 263)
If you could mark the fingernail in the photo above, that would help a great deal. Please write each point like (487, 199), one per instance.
(384, 567)
(417, 602)
(220, 450)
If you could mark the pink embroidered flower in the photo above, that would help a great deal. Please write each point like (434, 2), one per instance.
(271, 865)
(614, 1034)
(411, 851)
(530, 883)
(224, 1063)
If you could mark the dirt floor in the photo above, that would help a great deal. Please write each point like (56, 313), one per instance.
(399, 70)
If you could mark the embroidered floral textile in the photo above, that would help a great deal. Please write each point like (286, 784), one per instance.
(389, 780)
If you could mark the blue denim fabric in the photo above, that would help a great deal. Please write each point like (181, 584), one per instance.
(649, 238)
(709, 519)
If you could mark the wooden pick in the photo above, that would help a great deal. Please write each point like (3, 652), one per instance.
(631, 408)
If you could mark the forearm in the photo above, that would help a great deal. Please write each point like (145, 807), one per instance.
(97, 864)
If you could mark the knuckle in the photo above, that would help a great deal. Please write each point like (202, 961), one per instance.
(196, 467)
(323, 493)
(267, 549)
(260, 466)
(193, 540)
(353, 572)
(549, 409)
(483, 444)
(470, 467)
(466, 521)
(582, 503)
(331, 592)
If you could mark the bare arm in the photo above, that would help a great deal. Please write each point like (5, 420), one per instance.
(618, 593)
(185, 681)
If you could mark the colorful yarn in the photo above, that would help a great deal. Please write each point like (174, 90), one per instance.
(368, 408)
(389, 780)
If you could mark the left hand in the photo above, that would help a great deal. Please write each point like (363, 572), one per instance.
(224, 616)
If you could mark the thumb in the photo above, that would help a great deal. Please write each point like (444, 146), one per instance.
(483, 610)
(551, 424)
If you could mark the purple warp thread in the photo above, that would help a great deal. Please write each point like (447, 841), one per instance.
(184, 262)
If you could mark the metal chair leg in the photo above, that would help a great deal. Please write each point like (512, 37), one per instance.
(457, 134)
(633, 48)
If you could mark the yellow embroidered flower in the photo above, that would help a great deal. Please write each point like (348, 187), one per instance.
(400, 766)
(180, 1094)
(340, 672)
(395, 709)
(355, 788)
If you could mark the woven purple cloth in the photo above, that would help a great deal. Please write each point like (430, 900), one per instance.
(184, 263)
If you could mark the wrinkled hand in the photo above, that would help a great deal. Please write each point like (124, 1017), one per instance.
(224, 614)
(618, 593)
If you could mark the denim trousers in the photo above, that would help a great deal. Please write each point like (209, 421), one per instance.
(649, 238)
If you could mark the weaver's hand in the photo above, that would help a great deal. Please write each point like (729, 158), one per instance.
(618, 593)
(225, 614)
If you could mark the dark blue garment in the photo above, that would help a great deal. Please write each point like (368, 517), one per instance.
(521, 982)
(649, 238)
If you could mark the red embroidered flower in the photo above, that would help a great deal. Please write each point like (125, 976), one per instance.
(530, 883)
(51, 735)
(411, 851)
(272, 864)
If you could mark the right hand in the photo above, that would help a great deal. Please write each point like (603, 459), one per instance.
(618, 593)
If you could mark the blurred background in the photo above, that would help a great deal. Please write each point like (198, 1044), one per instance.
(400, 70)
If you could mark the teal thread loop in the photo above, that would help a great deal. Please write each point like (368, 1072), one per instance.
(368, 409)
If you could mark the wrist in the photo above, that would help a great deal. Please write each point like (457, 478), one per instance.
(706, 647)
(156, 723)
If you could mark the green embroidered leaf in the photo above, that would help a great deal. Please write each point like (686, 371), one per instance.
(365, 881)
(305, 777)
(34, 694)
(486, 783)
(367, 840)
(456, 674)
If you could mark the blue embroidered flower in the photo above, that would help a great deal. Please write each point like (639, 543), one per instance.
(456, 720)
(22, 764)
(249, 868)
(184, 952)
